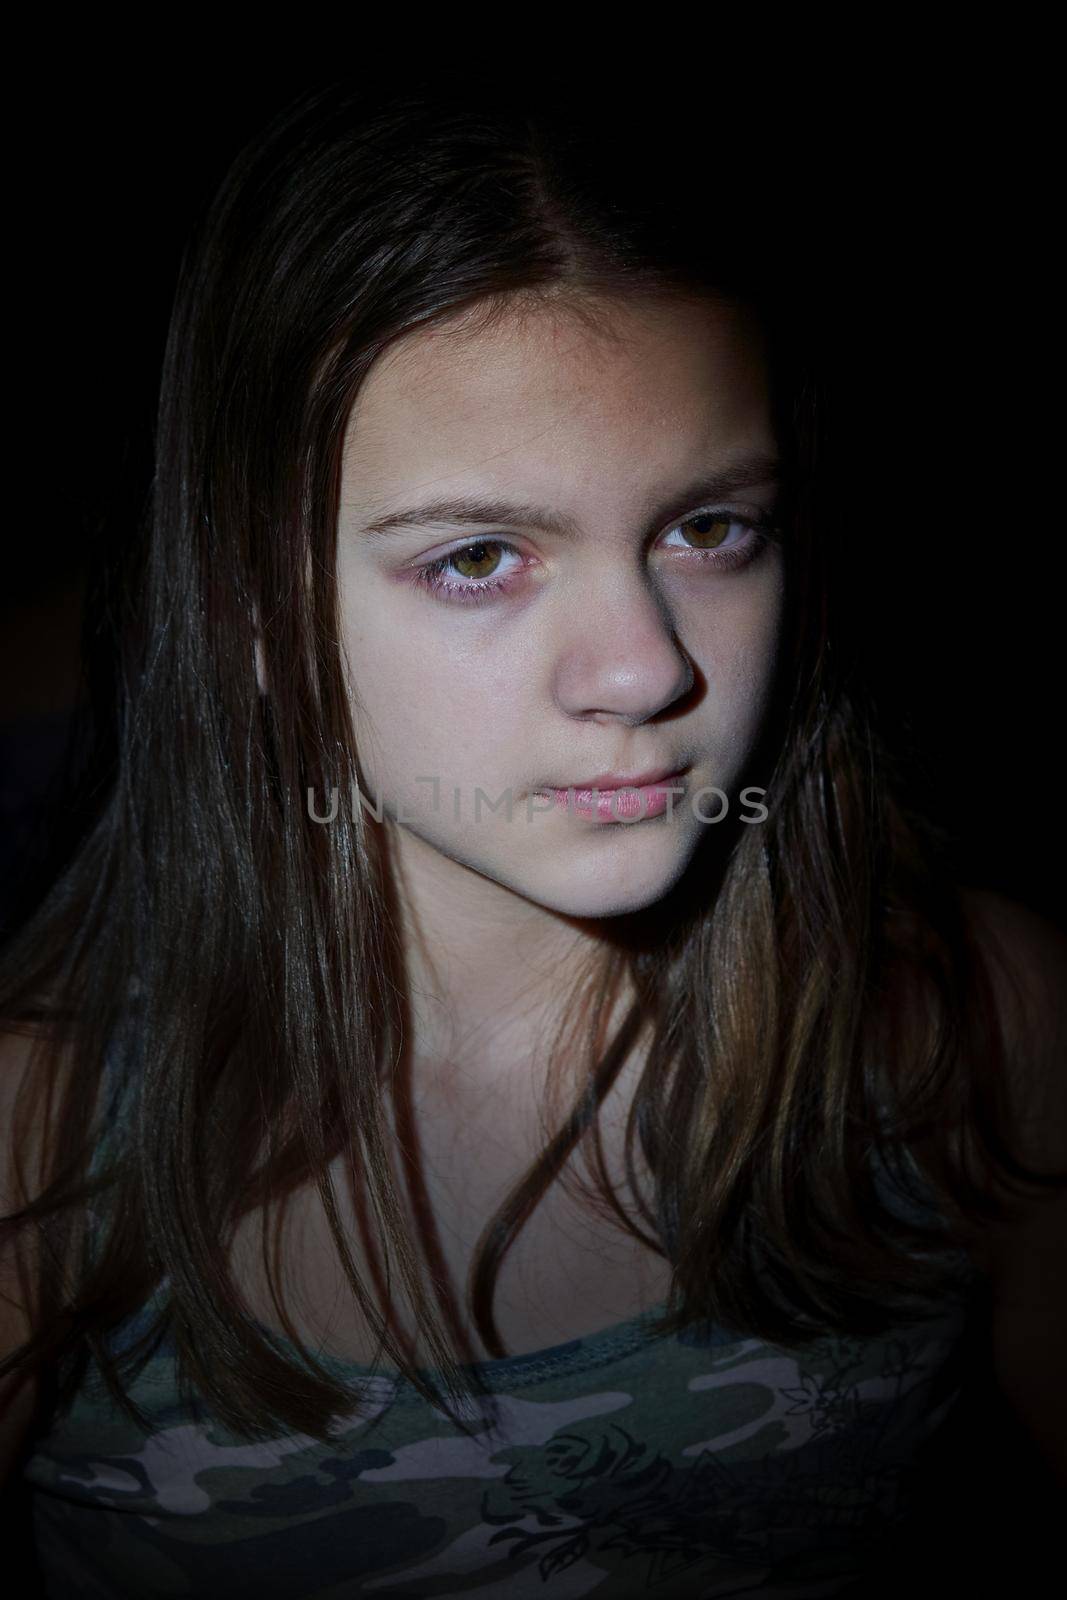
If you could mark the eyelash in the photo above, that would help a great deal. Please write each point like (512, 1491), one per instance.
(762, 531)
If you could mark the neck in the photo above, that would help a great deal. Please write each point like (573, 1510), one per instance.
(491, 975)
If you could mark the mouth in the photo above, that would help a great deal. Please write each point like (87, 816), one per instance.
(617, 797)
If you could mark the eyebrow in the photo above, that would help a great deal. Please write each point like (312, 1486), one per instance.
(751, 472)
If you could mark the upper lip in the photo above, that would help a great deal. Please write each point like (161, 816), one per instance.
(622, 780)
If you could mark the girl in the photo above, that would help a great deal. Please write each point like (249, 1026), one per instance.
(505, 1095)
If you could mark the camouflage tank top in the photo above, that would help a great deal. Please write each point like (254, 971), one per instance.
(618, 1464)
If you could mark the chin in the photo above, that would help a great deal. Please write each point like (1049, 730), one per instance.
(607, 887)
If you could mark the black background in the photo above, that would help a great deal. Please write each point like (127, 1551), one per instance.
(932, 235)
(928, 225)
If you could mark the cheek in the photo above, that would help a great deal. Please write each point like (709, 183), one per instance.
(735, 644)
(424, 703)
(387, 685)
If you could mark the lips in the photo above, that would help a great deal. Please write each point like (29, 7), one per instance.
(606, 781)
(617, 797)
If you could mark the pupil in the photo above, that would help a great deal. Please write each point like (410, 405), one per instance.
(704, 525)
(475, 555)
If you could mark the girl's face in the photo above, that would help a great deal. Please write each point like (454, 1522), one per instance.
(550, 570)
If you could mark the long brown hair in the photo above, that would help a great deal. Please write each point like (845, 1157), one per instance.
(809, 994)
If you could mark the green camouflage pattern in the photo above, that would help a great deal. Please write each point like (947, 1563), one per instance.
(619, 1464)
(706, 1464)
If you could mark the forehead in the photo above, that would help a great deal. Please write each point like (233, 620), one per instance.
(544, 388)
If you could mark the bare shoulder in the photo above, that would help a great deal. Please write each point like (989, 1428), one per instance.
(23, 1149)
(1028, 945)
(1026, 958)
(1026, 1258)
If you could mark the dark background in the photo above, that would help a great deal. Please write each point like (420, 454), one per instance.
(928, 224)
(929, 237)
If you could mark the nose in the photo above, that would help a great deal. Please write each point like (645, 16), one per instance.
(621, 659)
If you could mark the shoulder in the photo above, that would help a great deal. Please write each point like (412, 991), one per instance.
(1028, 951)
(25, 1165)
(28, 1063)
(1026, 957)
(19, 1179)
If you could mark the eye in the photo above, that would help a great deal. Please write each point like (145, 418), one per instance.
(718, 540)
(481, 568)
(726, 538)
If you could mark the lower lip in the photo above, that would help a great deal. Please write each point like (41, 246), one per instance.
(617, 805)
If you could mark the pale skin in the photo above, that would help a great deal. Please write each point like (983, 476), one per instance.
(606, 658)
(631, 639)
(609, 652)
(587, 672)
(619, 645)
